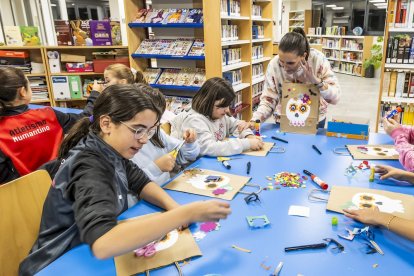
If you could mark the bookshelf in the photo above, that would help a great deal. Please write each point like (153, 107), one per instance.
(397, 69)
(217, 49)
(300, 18)
(345, 52)
(82, 77)
(36, 55)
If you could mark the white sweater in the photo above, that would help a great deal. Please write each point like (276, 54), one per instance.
(149, 153)
(212, 134)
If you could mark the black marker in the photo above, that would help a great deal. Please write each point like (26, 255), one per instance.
(279, 139)
(316, 149)
(249, 165)
(226, 164)
(303, 247)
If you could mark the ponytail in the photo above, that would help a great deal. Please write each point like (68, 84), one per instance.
(296, 42)
(139, 77)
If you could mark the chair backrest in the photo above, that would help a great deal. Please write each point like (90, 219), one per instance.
(21, 205)
(166, 127)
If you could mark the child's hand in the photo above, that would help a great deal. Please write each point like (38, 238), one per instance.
(389, 125)
(189, 136)
(390, 172)
(166, 163)
(211, 210)
(367, 215)
(255, 143)
(243, 125)
(97, 86)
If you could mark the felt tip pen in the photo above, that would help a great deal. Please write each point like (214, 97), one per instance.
(316, 149)
(303, 247)
(257, 127)
(397, 110)
(372, 174)
(249, 165)
(226, 164)
(316, 179)
(280, 139)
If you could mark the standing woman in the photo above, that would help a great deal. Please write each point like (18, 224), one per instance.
(297, 63)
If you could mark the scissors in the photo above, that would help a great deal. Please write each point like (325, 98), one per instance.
(175, 151)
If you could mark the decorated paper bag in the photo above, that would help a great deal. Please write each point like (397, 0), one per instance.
(373, 152)
(300, 108)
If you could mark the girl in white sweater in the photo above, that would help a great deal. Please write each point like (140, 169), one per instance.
(155, 157)
(209, 117)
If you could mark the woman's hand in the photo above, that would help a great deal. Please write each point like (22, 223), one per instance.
(189, 136)
(308, 74)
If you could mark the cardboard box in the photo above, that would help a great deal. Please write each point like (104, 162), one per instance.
(348, 127)
(72, 58)
(79, 67)
(100, 64)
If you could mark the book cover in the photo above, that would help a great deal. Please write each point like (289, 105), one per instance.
(199, 77)
(402, 44)
(194, 16)
(63, 35)
(30, 35)
(393, 83)
(169, 77)
(197, 49)
(100, 32)
(13, 36)
(75, 86)
(386, 83)
(400, 84)
(406, 83)
(389, 49)
(116, 33)
(151, 75)
(395, 50)
(411, 89)
(157, 16)
(186, 77)
(81, 33)
(141, 16)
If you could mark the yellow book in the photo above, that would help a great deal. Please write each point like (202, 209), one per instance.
(411, 115)
(393, 84)
(405, 115)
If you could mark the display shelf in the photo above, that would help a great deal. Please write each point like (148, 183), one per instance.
(398, 100)
(168, 57)
(257, 80)
(169, 25)
(230, 17)
(235, 42)
(259, 60)
(235, 66)
(240, 86)
(176, 87)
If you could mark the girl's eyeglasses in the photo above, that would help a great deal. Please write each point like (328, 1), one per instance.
(141, 131)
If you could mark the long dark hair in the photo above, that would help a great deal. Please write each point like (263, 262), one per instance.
(159, 100)
(11, 80)
(295, 42)
(121, 102)
(213, 89)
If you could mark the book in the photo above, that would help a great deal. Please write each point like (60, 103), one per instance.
(81, 33)
(406, 84)
(411, 86)
(141, 16)
(186, 77)
(393, 83)
(13, 36)
(178, 104)
(100, 31)
(151, 75)
(197, 49)
(400, 84)
(157, 16)
(194, 16)
(63, 34)
(30, 35)
(116, 33)
(386, 83)
(169, 76)
(181, 47)
(199, 77)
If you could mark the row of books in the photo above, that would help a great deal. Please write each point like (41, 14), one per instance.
(406, 116)
(258, 31)
(230, 7)
(257, 70)
(331, 43)
(39, 89)
(175, 76)
(257, 11)
(168, 16)
(403, 16)
(257, 52)
(399, 84)
(17, 59)
(349, 68)
(177, 104)
(257, 90)
(234, 77)
(334, 30)
(352, 56)
(174, 47)
(22, 35)
(400, 49)
(231, 56)
(315, 31)
(332, 54)
(229, 32)
(352, 44)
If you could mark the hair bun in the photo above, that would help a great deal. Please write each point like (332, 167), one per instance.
(299, 30)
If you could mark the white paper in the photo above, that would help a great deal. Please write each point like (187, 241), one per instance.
(301, 211)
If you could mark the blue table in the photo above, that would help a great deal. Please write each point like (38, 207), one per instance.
(218, 256)
(61, 109)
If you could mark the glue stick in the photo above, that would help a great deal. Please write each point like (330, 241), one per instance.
(257, 127)
(397, 110)
(372, 174)
(317, 180)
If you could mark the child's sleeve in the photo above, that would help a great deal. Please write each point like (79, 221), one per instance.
(188, 152)
(401, 138)
(145, 163)
(333, 92)
(232, 124)
(270, 96)
(210, 146)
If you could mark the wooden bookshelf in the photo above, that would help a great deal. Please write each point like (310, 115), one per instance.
(391, 30)
(300, 18)
(36, 55)
(210, 31)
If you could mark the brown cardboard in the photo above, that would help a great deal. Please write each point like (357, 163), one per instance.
(182, 184)
(341, 197)
(300, 108)
(72, 58)
(263, 152)
(375, 152)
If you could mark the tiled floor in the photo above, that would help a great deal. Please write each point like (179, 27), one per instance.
(359, 98)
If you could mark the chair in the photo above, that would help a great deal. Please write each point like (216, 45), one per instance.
(166, 127)
(21, 205)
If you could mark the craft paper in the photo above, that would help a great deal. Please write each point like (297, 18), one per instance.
(300, 108)
(357, 198)
(176, 246)
(263, 152)
(195, 183)
(301, 211)
(373, 152)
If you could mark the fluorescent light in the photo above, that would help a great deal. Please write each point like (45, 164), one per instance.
(53, 5)
(381, 5)
(377, 1)
(330, 6)
(338, 8)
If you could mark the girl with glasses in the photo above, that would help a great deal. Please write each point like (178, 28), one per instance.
(156, 158)
(90, 188)
(209, 117)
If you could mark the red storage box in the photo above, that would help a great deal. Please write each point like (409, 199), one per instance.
(99, 65)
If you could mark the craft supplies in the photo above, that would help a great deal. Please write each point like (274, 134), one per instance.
(397, 110)
(176, 150)
(248, 167)
(253, 197)
(226, 164)
(316, 149)
(316, 179)
(287, 179)
(301, 211)
(372, 174)
(253, 221)
(257, 128)
(280, 139)
(304, 247)
(334, 221)
(277, 269)
(241, 249)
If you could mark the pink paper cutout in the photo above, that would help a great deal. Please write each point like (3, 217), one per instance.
(219, 191)
(208, 226)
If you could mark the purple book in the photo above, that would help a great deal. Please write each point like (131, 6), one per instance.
(101, 32)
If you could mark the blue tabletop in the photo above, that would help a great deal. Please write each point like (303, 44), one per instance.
(267, 244)
(61, 109)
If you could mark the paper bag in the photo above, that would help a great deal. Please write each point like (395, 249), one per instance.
(373, 152)
(300, 108)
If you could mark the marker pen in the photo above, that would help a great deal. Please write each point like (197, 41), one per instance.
(397, 110)
(226, 164)
(257, 128)
(316, 179)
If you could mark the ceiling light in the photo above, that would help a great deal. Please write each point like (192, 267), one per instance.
(381, 5)
(338, 8)
(377, 1)
(330, 6)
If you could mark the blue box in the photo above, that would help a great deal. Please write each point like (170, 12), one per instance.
(348, 127)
